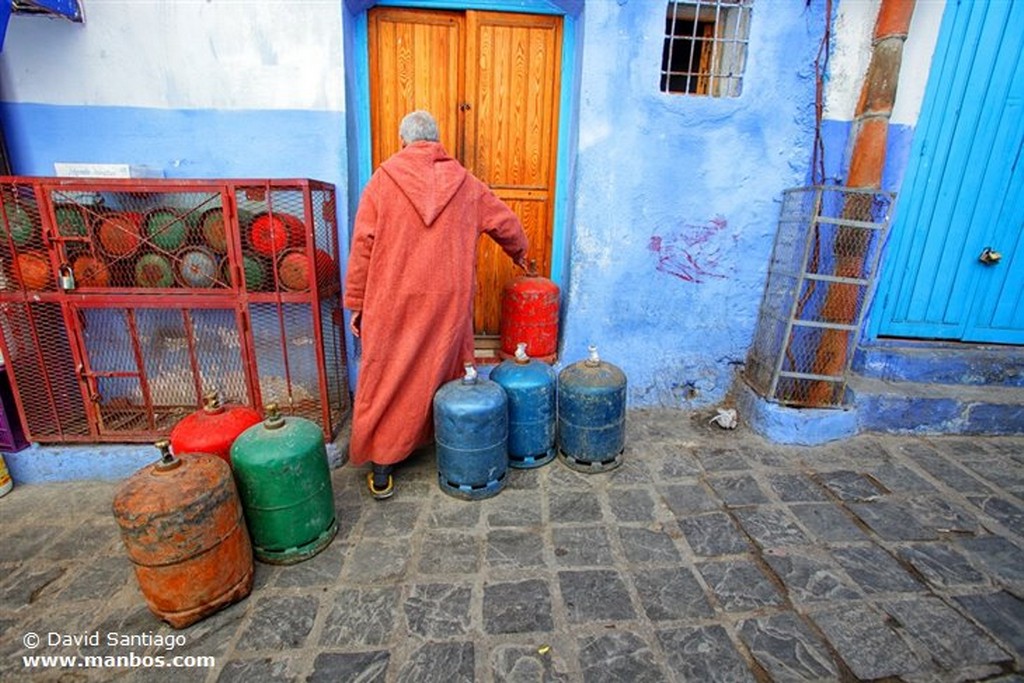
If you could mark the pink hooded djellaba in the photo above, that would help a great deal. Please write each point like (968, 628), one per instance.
(412, 273)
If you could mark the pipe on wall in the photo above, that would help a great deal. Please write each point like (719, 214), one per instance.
(867, 162)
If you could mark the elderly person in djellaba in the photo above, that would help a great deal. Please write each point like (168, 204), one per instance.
(410, 285)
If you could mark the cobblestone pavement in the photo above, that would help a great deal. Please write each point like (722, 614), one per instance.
(710, 555)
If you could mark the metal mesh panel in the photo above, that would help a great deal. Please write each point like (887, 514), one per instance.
(148, 287)
(148, 240)
(39, 359)
(821, 272)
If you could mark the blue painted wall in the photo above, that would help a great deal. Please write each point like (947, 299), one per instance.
(677, 199)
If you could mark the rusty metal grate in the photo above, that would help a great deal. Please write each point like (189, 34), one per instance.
(820, 277)
(178, 287)
(705, 50)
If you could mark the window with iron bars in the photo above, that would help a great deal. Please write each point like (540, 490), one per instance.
(705, 50)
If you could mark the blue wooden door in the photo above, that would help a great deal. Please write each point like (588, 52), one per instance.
(963, 189)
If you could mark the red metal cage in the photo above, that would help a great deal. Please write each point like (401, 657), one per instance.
(123, 301)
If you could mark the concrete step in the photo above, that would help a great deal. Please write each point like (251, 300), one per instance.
(931, 362)
(908, 407)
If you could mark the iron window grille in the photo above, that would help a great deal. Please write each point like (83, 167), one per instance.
(705, 51)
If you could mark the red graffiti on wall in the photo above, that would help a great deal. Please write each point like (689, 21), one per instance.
(689, 253)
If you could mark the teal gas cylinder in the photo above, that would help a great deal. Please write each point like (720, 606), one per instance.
(591, 415)
(284, 483)
(471, 430)
(531, 387)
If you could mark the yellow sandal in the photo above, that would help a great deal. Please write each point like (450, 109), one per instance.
(380, 494)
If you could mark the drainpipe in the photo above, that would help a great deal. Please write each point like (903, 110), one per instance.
(867, 161)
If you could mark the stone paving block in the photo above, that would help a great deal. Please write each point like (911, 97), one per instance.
(1002, 473)
(892, 521)
(102, 578)
(771, 527)
(632, 472)
(703, 654)
(1002, 613)
(631, 505)
(582, 547)
(517, 607)
(668, 463)
(448, 512)
(514, 549)
(438, 610)
(875, 570)
(361, 617)
(279, 622)
(949, 474)
(396, 519)
(560, 478)
(941, 516)
(595, 595)
(347, 516)
(364, 667)
(721, 460)
(32, 583)
(614, 657)
(1002, 510)
(447, 552)
(671, 593)
(850, 486)
(949, 639)
(900, 479)
(25, 542)
(320, 570)
(449, 662)
(828, 523)
(738, 490)
(523, 509)
(787, 648)
(866, 642)
(740, 585)
(796, 487)
(811, 578)
(520, 664)
(713, 534)
(647, 546)
(262, 669)
(687, 499)
(941, 564)
(573, 506)
(998, 555)
(523, 480)
(373, 560)
(98, 537)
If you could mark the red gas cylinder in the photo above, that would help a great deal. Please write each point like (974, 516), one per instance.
(529, 314)
(182, 525)
(213, 428)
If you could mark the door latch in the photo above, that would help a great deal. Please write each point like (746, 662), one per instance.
(989, 256)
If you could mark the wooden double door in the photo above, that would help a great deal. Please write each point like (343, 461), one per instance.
(491, 79)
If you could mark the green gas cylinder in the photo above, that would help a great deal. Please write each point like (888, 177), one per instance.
(284, 483)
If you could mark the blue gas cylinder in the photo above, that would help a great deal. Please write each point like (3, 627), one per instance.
(471, 430)
(530, 385)
(591, 415)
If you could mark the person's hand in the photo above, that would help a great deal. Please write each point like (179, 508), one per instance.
(355, 323)
(521, 262)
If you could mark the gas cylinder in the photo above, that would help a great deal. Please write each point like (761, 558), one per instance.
(183, 528)
(6, 483)
(471, 430)
(284, 482)
(591, 414)
(530, 385)
(213, 428)
(529, 313)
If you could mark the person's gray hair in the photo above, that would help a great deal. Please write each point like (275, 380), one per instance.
(418, 125)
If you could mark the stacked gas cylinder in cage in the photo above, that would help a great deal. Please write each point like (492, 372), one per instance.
(164, 247)
(234, 487)
(524, 414)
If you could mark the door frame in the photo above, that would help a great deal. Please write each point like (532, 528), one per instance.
(570, 11)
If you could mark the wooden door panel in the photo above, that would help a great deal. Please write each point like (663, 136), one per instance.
(512, 86)
(415, 63)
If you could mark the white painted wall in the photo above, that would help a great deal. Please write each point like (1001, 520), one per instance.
(181, 54)
(851, 51)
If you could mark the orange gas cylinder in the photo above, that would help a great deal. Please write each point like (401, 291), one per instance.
(182, 525)
(213, 428)
(529, 314)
